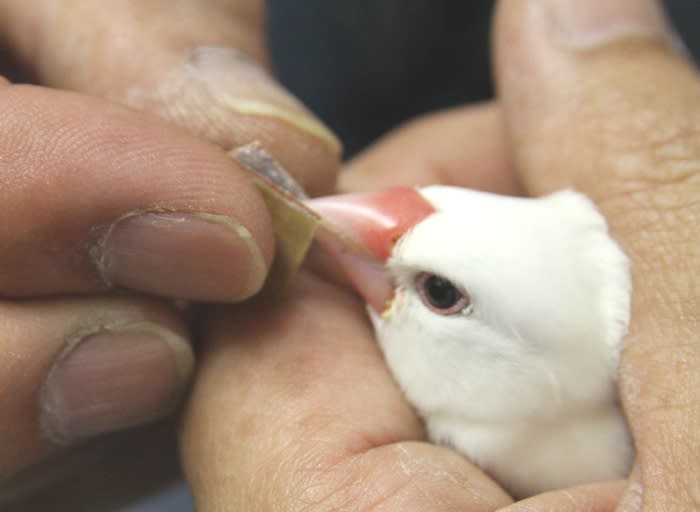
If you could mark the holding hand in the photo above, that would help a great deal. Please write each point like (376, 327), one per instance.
(594, 96)
(105, 207)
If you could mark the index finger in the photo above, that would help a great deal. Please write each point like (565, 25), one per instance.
(201, 64)
(94, 195)
(465, 146)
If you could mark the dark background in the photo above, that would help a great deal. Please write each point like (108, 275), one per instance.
(366, 65)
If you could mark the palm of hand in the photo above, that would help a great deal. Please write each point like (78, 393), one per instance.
(304, 382)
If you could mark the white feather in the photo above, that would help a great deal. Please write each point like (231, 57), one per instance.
(523, 383)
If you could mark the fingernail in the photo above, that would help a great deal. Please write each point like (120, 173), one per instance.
(242, 85)
(590, 24)
(113, 379)
(195, 256)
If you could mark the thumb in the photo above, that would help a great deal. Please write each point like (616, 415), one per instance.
(593, 87)
(597, 97)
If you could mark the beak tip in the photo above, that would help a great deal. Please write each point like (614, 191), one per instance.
(360, 231)
(375, 221)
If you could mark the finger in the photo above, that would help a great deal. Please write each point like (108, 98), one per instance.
(464, 147)
(596, 97)
(94, 195)
(200, 64)
(73, 369)
(575, 76)
(293, 408)
(602, 497)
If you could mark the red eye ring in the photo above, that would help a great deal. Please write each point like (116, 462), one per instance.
(440, 295)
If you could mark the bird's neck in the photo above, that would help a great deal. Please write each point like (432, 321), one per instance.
(529, 451)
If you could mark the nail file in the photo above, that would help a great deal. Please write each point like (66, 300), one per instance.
(295, 225)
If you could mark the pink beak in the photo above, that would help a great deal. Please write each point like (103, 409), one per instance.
(360, 231)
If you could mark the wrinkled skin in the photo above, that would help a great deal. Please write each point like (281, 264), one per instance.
(292, 408)
(74, 164)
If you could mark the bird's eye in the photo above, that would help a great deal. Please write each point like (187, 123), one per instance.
(441, 295)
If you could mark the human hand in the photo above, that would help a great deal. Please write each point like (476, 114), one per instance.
(618, 121)
(597, 100)
(609, 105)
(103, 205)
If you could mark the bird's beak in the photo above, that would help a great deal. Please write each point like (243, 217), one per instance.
(360, 231)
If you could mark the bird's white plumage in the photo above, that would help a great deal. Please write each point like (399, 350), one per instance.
(523, 382)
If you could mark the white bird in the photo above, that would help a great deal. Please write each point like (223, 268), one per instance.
(502, 320)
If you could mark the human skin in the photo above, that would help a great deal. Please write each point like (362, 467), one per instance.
(117, 195)
(594, 96)
(292, 407)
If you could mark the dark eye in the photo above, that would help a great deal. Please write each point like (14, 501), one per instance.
(441, 295)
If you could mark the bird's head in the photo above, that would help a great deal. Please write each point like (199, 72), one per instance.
(489, 307)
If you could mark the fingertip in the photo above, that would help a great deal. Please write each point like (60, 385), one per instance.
(89, 367)
(550, 39)
(225, 96)
(192, 255)
(241, 84)
(580, 82)
(465, 146)
(114, 378)
(206, 71)
(139, 204)
(595, 497)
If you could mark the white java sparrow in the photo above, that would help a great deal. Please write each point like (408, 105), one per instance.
(501, 319)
